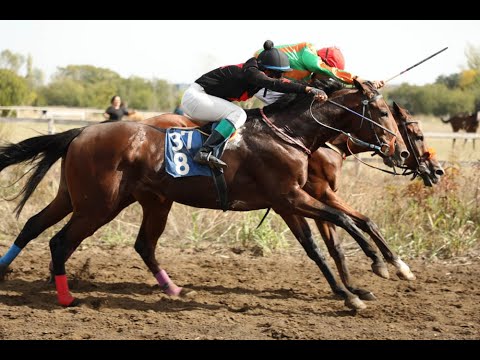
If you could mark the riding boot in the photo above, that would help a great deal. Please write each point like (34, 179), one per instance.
(205, 155)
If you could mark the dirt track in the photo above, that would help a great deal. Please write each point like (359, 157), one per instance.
(239, 296)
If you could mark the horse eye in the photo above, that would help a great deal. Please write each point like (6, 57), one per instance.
(420, 138)
(383, 113)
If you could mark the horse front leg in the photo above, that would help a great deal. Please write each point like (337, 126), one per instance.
(301, 203)
(303, 234)
(335, 249)
(367, 225)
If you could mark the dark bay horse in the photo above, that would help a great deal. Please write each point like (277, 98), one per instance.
(323, 177)
(107, 167)
(467, 122)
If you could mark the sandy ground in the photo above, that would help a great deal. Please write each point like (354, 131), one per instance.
(238, 296)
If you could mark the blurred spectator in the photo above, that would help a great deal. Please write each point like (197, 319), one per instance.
(117, 110)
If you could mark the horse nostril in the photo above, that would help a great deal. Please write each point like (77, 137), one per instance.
(439, 172)
(404, 154)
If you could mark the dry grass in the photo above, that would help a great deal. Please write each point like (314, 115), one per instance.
(434, 222)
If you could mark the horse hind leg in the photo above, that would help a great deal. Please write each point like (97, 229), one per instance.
(78, 228)
(155, 215)
(60, 207)
(334, 245)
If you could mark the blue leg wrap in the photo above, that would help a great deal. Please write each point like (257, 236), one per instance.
(11, 254)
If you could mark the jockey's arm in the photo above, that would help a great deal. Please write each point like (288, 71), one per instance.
(258, 78)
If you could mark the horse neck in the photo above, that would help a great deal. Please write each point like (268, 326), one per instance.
(297, 121)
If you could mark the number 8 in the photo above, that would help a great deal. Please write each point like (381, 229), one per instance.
(180, 161)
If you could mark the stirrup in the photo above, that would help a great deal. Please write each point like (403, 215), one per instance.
(209, 159)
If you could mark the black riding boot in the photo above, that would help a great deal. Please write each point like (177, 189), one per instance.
(205, 154)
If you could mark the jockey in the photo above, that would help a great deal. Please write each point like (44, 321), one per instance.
(306, 61)
(210, 97)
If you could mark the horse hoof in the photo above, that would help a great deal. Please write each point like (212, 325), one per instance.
(403, 271)
(381, 270)
(355, 304)
(4, 270)
(69, 303)
(51, 279)
(406, 275)
(368, 296)
(74, 303)
(186, 293)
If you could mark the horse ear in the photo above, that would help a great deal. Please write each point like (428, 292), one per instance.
(396, 108)
(357, 84)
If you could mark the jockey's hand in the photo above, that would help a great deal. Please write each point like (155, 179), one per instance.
(318, 93)
(378, 84)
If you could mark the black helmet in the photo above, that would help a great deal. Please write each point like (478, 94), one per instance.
(272, 58)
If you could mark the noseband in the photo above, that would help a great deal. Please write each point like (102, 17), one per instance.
(378, 148)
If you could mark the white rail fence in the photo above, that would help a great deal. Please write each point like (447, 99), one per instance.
(51, 118)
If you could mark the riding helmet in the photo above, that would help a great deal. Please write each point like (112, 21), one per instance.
(333, 57)
(272, 58)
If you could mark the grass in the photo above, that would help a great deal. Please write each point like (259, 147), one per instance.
(439, 222)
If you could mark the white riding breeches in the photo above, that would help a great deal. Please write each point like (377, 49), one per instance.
(201, 106)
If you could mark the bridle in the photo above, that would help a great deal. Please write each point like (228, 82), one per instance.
(365, 106)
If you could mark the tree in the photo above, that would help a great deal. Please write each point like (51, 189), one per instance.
(473, 57)
(65, 92)
(11, 61)
(451, 81)
(86, 74)
(14, 89)
(35, 76)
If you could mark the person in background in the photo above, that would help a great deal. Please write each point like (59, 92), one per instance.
(116, 111)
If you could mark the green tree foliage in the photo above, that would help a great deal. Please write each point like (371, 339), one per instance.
(11, 61)
(473, 57)
(14, 89)
(90, 86)
(34, 77)
(450, 81)
(65, 92)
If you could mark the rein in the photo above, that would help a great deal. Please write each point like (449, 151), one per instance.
(350, 136)
(406, 172)
(283, 135)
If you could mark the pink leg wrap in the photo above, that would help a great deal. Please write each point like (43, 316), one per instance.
(167, 285)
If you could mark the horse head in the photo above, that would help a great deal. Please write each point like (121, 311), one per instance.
(382, 132)
(422, 160)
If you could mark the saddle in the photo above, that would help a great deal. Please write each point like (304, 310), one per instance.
(181, 145)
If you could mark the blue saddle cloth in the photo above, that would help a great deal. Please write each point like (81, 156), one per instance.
(181, 145)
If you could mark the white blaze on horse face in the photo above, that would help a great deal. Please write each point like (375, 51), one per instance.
(236, 141)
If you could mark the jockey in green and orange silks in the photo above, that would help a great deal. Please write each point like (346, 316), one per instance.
(305, 60)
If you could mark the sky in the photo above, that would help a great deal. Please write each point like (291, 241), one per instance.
(180, 51)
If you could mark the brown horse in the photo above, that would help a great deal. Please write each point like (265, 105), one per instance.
(323, 177)
(467, 122)
(106, 167)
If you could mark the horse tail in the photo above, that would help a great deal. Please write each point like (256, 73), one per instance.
(445, 121)
(42, 150)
